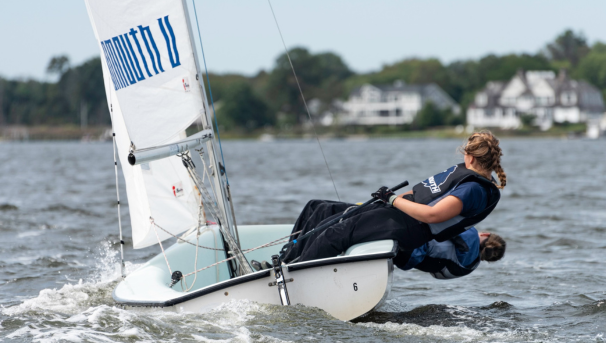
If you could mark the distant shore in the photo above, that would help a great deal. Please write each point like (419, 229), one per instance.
(103, 133)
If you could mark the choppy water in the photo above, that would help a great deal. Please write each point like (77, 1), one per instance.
(58, 225)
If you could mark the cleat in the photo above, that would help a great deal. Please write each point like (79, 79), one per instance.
(256, 265)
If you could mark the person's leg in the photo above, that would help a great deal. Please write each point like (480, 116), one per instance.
(376, 224)
(314, 212)
(312, 215)
(325, 211)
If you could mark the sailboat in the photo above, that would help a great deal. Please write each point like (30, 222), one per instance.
(177, 187)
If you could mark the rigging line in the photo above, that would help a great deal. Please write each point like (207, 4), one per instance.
(210, 91)
(303, 97)
(161, 247)
(195, 264)
(272, 243)
(114, 148)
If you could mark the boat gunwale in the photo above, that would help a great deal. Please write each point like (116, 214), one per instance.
(198, 293)
(344, 259)
(259, 275)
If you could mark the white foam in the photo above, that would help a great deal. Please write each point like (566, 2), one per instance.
(30, 234)
(453, 333)
(73, 298)
(234, 313)
(393, 305)
(242, 334)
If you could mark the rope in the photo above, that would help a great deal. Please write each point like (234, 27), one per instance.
(161, 247)
(188, 288)
(189, 165)
(210, 91)
(269, 244)
(243, 264)
(209, 248)
(347, 210)
(122, 267)
(206, 197)
(272, 243)
(186, 241)
(111, 114)
(304, 102)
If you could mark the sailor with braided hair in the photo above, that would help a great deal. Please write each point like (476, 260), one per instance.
(438, 208)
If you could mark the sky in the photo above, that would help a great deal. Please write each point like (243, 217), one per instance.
(240, 36)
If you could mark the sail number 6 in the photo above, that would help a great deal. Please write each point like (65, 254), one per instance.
(355, 285)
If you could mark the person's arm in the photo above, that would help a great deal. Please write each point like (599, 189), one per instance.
(445, 209)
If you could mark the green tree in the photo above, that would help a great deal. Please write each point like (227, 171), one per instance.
(221, 83)
(241, 107)
(413, 71)
(592, 68)
(30, 102)
(527, 119)
(319, 75)
(430, 116)
(58, 65)
(568, 47)
(468, 77)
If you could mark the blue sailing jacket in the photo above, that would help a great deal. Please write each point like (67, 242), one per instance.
(449, 259)
(439, 186)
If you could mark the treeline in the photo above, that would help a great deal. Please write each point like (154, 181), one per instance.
(272, 98)
(79, 90)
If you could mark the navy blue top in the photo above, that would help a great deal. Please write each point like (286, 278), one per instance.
(473, 196)
(440, 250)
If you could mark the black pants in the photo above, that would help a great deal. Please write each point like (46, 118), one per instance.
(373, 222)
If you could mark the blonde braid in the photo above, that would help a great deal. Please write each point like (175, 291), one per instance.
(484, 146)
(501, 175)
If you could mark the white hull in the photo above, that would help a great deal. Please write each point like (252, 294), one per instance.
(346, 286)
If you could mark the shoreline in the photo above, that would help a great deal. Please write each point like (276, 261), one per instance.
(103, 133)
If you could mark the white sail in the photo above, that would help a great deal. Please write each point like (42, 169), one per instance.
(147, 49)
(148, 65)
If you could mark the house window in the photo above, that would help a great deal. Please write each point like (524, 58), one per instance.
(568, 98)
(398, 112)
(383, 113)
(481, 99)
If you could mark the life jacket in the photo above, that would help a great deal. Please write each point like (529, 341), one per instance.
(439, 186)
(441, 260)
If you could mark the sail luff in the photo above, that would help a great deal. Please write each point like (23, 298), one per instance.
(220, 186)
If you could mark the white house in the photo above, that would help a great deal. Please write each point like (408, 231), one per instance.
(392, 104)
(538, 93)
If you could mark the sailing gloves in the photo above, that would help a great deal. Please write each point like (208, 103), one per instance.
(385, 194)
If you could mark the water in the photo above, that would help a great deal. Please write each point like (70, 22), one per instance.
(58, 259)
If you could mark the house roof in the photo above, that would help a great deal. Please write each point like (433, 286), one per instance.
(398, 88)
(589, 97)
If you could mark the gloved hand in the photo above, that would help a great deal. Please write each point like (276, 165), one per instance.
(384, 194)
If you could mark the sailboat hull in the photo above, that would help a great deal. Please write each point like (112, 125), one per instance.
(345, 286)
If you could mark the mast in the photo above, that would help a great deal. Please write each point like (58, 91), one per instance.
(223, 200)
